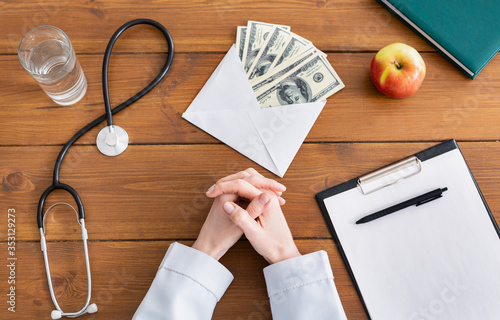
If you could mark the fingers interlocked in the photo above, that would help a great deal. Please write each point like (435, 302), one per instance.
(247, 184)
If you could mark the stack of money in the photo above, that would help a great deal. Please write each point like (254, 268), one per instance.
(282, 67)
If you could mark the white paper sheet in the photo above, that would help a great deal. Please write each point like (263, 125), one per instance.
(440, 260)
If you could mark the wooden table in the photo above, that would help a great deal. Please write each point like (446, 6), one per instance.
(137, 204)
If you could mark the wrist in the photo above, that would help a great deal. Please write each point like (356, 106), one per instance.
(212, 250)
(285, 254)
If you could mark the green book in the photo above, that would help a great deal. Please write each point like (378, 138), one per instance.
(466, 32)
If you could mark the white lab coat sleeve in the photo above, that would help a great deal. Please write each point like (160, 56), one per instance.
(302, 288)
(187, 286)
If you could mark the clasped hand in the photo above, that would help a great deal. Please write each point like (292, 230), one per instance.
(249, 203)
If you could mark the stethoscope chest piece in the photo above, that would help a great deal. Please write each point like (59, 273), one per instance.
(112, 140)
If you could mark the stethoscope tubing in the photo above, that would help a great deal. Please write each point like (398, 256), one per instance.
(109, 112)
(57, 185)
(150, 86)
(52, 188)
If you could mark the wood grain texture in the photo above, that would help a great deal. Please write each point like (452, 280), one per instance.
(123, 271)
(153, 194)
(447, 105)
(205, 26)
(158, 192)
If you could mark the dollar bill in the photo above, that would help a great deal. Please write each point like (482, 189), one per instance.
(256, 34)
(295, 46)
(311, 81)
(273, 44)
(258, 83)
(241, 33)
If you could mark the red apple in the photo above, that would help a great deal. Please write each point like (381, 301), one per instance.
(398, 70)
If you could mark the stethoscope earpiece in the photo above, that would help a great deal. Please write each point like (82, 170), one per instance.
(92, 308)
(56, 314)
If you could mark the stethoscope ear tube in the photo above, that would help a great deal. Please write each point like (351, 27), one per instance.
(58, 313)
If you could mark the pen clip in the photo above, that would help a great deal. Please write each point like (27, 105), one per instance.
(428, 200)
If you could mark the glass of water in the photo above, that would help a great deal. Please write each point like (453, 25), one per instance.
(46, 53)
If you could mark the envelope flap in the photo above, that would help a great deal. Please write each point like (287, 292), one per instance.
(234, 128)
(284, 129)
(227, 88)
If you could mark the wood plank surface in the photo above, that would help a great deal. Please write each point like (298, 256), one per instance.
(153, 194)
(157, 192)
(448, 105)
(123, 271)
(205, 26)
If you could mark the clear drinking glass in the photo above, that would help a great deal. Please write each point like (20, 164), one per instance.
(47, 54)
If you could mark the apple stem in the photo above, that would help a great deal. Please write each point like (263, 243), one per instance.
(397, 64)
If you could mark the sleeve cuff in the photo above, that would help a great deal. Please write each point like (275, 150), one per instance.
(199, 267)
(296, 272)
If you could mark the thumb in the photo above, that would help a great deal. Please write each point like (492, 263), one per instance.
(256, 206)
(241, 219)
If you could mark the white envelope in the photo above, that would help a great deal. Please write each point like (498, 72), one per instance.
(227, 109)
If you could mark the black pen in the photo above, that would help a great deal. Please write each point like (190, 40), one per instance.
(426, 197)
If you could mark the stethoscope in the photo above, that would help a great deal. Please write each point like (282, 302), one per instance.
(112, 140)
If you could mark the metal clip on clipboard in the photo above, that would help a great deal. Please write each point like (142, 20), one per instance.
(389, 175)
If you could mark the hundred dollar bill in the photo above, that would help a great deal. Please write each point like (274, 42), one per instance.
(256, 34)
(241, 33)
(273, 44)
(311, 81)
(296, 45)
(258, 83)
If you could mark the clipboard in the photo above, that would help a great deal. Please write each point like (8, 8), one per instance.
(440, 260)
